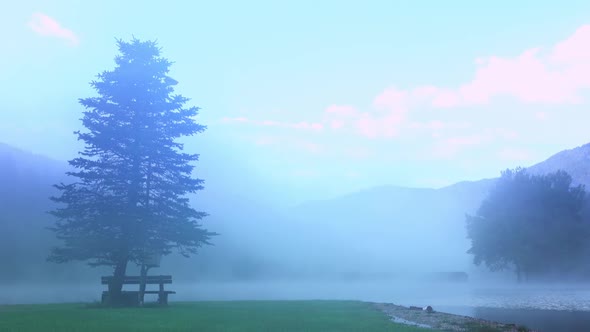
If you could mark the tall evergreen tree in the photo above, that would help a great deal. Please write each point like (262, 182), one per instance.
(129, 200)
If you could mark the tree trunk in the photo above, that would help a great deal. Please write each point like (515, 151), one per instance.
(144, 270)
(116, 286)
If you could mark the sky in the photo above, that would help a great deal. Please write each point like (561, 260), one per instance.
(320, 98)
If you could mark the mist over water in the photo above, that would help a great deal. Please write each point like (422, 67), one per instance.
(539, 296)
(547, 307)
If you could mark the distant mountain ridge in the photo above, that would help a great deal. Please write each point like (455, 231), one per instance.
(27, 178)
(428, 222)
(575, 161)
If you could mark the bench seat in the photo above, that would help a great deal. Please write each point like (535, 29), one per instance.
(158, 292)
(136, 280)
(132, 297)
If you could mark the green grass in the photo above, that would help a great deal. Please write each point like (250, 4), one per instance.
(244, 316)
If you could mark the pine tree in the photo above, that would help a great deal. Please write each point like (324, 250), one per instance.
(129, 199)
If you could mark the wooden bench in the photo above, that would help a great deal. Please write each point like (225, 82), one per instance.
(134, 296)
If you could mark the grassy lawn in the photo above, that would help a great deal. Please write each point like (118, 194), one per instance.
(202, 316)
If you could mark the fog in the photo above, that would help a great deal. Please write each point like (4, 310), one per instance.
(330, 171)
(378, 244)
(373, 235)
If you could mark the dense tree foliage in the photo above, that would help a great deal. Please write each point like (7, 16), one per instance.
(531, 223)
(129, 200)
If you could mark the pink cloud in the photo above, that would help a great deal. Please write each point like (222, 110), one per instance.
(527, 77)
(392, 98)
(556, 76)
(383, 120)
(534, 76)
(553, 77)
(574, 49)
(392, 108)
(445, 99)
(386, 126)
(46, 26)
(391, 111)
(382, 123)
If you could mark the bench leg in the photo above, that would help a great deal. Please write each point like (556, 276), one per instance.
(163, 298)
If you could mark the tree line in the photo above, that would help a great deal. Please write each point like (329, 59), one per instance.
(535, 225)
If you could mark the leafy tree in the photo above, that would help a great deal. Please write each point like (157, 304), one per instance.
(532, 223)
(129, 200)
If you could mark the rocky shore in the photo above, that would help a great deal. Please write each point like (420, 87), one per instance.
(429, 318)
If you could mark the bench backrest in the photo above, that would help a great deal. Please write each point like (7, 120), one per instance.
(136, 280)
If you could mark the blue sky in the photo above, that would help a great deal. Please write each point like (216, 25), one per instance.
(321, 98)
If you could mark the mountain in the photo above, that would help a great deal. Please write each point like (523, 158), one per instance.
(26, 183)
(393, 228)
(26, 178)
(576, 162)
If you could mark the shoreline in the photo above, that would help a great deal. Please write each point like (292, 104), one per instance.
(441, 320)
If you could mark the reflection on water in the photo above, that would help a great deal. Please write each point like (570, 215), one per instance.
(547, 308)
(552, 298)
(536, 319)
(541, 320)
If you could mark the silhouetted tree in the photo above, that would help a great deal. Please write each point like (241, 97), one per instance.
(132, 176)
(532, 223)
